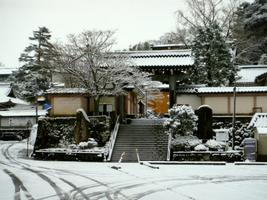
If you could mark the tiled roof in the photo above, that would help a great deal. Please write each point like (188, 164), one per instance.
(262, 130)
(5, 89)
(6, 95)
(66, 91)
(212, 90)
(164, 58)
(7, 71)
(259, 120)
(258, 78)
(249, 73)
(5, 99)
(22, 113)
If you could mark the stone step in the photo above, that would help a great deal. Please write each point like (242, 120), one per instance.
(146, 121)
(150, 140)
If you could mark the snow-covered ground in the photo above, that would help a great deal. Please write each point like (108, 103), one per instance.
(22, 178)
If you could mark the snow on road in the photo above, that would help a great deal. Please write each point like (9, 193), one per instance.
(22, 178)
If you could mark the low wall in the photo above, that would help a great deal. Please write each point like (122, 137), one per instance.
(54, 132)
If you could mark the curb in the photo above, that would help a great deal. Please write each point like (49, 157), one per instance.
(186, 163)
(250, 163)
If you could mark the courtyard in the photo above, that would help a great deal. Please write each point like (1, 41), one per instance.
(24, 178)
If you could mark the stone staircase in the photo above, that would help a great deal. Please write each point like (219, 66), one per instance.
(145, 135)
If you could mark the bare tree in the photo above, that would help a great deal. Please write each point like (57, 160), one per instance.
(88, 59)
(202, 13)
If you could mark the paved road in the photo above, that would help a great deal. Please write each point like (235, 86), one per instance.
(23, 178)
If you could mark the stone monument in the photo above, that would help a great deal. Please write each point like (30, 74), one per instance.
(204, 130)
(81, 130)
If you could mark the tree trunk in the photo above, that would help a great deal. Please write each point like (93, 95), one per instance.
(96, 105)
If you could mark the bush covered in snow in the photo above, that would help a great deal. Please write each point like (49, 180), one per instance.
(201, 147)
(91, 143)
(55, 132)
(100, 129)
(182, 121)
(181, 143)
(213, 145)
(242, 131)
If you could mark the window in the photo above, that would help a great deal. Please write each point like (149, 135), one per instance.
(105, 109)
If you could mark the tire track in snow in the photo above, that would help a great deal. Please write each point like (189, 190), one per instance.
(60, 193)
(109, 192)
(76, 189)
(110, 189)
(18, 186)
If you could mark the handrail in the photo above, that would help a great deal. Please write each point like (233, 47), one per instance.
(113, 138)
(169, 147)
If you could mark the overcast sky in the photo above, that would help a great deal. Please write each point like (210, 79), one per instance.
(133, 20)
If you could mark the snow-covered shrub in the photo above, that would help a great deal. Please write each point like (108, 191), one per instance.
(150, 114)
(213, 145)
(182, 121)
(72, 146)
(54, 132)
(242, 130)
(91, 143)
(201, 147)
(181, 143)
(100, 129)
(82, 145)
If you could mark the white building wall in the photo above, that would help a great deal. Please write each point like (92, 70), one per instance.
(244, 104)
(64, 106)
(189, 99)
(16, 121)
(262, 102)
(218, 104)
(223, 104)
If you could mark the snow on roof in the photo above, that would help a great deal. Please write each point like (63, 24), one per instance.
(249, 73)
(58, 84)
(168, 45)
(5, 99)
(163, 61)
(262, 130)
(161, 58)
(5, 89)
(259, 120)
(66, 91)
(6, 70)
(163, 86)
(210, 90)
(160, 53)
(22, 113)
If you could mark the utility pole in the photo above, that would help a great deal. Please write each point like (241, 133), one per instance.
(36, 103)
(36, 109)
(234, 117)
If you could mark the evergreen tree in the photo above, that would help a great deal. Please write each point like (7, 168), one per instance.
(250, 32)
(141, 46)
(213, 65)
(36, 73)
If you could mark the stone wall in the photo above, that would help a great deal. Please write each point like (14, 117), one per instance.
(56, 132)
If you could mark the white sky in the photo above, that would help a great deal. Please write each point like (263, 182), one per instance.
(133, 20)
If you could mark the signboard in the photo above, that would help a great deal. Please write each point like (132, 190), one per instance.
(222, 135)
